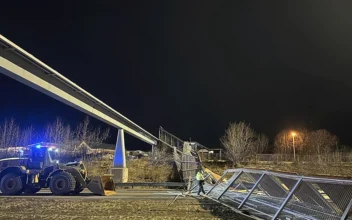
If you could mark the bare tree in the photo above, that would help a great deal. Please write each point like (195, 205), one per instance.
(90, 135)
(284, 141)
(321, 141)
(27, 136)
(9, 133)
(239, 141)
(161, 155)
(59, 133)
(341, 148)
(56, 132)
(261, 144)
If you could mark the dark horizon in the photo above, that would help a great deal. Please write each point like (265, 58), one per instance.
(190, 68)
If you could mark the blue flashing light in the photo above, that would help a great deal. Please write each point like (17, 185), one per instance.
(50, 149)
(56, 150)
(38, 146)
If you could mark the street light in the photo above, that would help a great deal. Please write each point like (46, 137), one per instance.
(293, 141)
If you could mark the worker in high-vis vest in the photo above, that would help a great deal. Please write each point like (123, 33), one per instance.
(200, 179)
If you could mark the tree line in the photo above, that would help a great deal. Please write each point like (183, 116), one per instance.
(241, 141)
(307, 142)
(58, 132)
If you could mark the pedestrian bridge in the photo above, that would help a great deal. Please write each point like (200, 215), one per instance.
(22, 66)
(267, 195)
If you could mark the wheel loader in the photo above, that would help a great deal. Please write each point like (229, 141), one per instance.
(28, 174)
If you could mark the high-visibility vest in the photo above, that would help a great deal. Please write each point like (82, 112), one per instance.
(199, 176)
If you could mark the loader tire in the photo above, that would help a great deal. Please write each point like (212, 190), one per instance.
(62, 183)
(77, 191)
(11, 184)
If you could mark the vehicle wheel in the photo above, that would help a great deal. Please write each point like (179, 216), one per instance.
(77, 191)
(11, 184)
(31, 190)
(62, 183)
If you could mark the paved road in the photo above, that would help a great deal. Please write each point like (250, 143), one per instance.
(120, 194)
(126, 204)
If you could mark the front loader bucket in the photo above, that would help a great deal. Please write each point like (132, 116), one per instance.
(103, 185)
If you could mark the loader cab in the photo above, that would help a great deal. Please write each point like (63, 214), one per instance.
(39, 157)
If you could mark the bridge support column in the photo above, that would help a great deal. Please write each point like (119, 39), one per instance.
(119, 169)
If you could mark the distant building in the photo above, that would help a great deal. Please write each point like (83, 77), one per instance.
(208, 154)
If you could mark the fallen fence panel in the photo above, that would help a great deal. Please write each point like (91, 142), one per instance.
(272, 195)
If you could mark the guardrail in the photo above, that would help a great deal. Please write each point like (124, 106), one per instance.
(272, 195)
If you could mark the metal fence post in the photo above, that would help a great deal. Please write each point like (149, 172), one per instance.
(236, 177)
(287, 198)
(252, 190)
(345, 213)
(217, 182)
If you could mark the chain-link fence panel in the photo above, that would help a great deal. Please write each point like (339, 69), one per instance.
(240, 187)
(267, 194)
(225, 181)
(337, 195)
(306, 203)
(272, 195)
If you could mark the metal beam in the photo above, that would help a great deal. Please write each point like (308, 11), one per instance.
(236, 177)
(25, 68)
(217, 182)
(347, 210)
(252, 190)
(287, 198)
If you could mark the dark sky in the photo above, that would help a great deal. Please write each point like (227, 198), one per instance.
(192, 66)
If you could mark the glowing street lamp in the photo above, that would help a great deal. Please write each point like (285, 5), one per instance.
(293, 141)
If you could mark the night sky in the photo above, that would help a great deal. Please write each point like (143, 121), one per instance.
(192, 66)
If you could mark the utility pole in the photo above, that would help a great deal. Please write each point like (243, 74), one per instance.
(294, 150)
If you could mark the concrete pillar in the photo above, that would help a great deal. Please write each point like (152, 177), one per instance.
(119, 169)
